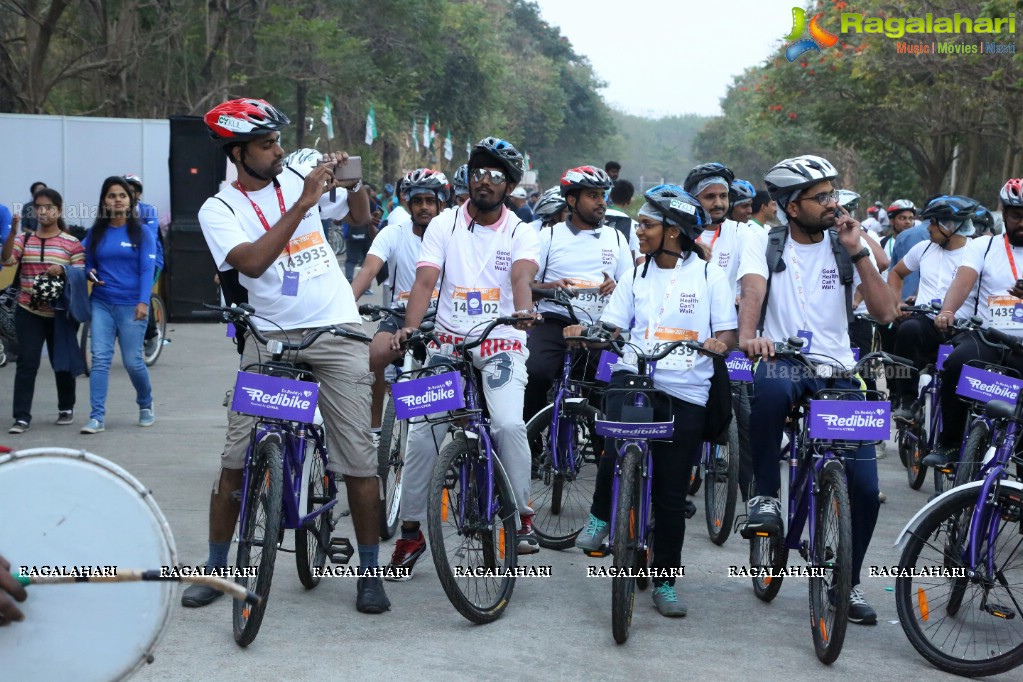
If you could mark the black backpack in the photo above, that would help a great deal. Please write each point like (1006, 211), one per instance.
(776, 240)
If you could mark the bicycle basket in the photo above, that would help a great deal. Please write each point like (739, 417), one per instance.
(847, 418)
(620, 409)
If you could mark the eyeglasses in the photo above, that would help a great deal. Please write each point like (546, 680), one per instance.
(824, 198)
(497, 177)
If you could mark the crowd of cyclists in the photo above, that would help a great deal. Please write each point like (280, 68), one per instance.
(714, 260)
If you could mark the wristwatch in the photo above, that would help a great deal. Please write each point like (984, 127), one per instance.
(863, 253)
(357, 187)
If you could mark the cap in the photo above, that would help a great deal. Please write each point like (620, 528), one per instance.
(518, 193)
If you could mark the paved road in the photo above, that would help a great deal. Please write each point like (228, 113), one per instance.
(555, 628)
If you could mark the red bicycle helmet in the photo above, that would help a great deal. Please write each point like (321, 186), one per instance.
(1012, 192)
(584, 177)
(241, 120)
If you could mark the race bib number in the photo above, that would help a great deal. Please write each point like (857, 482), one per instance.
(470, 307)
(310, 257)
(1006, 312)
(681, 359)
(588, 301)
(403, 296)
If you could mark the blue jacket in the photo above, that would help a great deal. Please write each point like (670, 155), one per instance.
(906, 240)
(67, 354)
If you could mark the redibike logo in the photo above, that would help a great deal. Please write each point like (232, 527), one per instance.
(856, 420)
(635, 431)
(429, 397)
(737, 363)
(996, 390)
(281, 398)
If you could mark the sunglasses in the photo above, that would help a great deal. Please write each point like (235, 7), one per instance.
(497, 177)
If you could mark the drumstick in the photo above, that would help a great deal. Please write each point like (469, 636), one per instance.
(232, 589)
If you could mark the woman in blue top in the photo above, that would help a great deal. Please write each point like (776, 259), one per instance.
(120, 257)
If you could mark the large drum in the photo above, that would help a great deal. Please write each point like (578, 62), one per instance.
(67, 510)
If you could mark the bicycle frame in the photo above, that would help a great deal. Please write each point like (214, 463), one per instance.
(562, 443)
(804, 472)
(646, 473)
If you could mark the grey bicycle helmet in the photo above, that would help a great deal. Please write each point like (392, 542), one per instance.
(789, 177)
(460, 182)
(425, 181)
(550, 205)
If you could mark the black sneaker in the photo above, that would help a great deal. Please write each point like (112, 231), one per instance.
(764, 515)
(859, 610)
(19, 426)
(371, 597)
(941, 457)
(200, 595)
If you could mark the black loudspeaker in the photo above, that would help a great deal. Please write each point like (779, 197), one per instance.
(191, 271)
(197, 167)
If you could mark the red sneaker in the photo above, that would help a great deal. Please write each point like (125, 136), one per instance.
(528, 544)
(406, 553)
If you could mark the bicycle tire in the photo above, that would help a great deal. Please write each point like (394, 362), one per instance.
(561, 499)
(829, 598)
(497, 548)
(721, 487)
(309, 554)
(916, 471)
(265, 492)
(158, 313)
(623, 546)
(770, 553)
(973, 452)
(84, 342)
(390, 460)
(918, 598)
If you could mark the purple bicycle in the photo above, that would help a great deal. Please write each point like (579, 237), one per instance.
(958, 593)
(286, 483)
(631, 527)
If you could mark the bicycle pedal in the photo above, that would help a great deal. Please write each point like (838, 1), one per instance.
(340, 551)
(598, 553)
(1000, 611)
(749, 532)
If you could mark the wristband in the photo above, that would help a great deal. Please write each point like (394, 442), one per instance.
(863, 253)
(523, 312)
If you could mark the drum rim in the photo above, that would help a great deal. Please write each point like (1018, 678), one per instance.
(147, 496)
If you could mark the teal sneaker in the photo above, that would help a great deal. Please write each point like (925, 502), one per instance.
(593, 535)
(146, 417)
(666, 601)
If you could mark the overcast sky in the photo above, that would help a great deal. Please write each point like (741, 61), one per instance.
(645, 49)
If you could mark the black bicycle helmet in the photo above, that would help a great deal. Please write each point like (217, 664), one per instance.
(45, 290)
(707, 170)
(495, 151)
(955, 208)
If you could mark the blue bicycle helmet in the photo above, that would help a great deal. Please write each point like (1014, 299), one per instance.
(741, 191)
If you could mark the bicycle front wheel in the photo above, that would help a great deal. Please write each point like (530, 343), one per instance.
(721, 488)
(84, 342)
(624, 546)
(976, 446)
(257, 547)
(151, 348)
(912, 452)
(390, 460)
(560, 490)
(832, 552)
(962, 625)
(311, 540)
(474, 549)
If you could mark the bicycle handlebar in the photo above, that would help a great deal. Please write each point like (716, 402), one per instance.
(243, 312)
(618, 347)
(558, 297)
(792, 348)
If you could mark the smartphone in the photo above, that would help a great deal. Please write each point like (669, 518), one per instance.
(349, 171)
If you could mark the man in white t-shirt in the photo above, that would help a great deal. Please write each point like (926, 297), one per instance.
(987, 284)
(807, 298)
(937, 261)
(425, 191)
(266, 225)
(580, 255)
(483, 259)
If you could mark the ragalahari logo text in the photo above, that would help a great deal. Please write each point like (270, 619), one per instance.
(819, 38)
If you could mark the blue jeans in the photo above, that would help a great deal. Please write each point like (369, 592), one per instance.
(110, 321)
(770, 403)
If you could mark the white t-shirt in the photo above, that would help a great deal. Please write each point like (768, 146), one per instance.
(475, 269)
(398, 246)
(871, 224)
(726, 245)
(398, 215)
(582, 256)
(995, 278)
(861, 309)
(324, 296)
(937, 268)
(821, 310)
(615, 213)
(665, 311)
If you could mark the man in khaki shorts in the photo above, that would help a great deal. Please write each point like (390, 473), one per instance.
(266, 225)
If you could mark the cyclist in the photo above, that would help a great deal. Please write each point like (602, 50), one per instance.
(482, 258)
(937, 261)
(460, 185)
(551, 209)
(674, 294)
(986, 284)
(149, 218)
(294, 291)
(426, 191)
(580, 253)
(765, 210)
(809, 299)
(740, 200)
(984, 222)
(901, 216)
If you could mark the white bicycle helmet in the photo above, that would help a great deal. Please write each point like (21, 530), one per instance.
(790, 176)
(303, 159)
